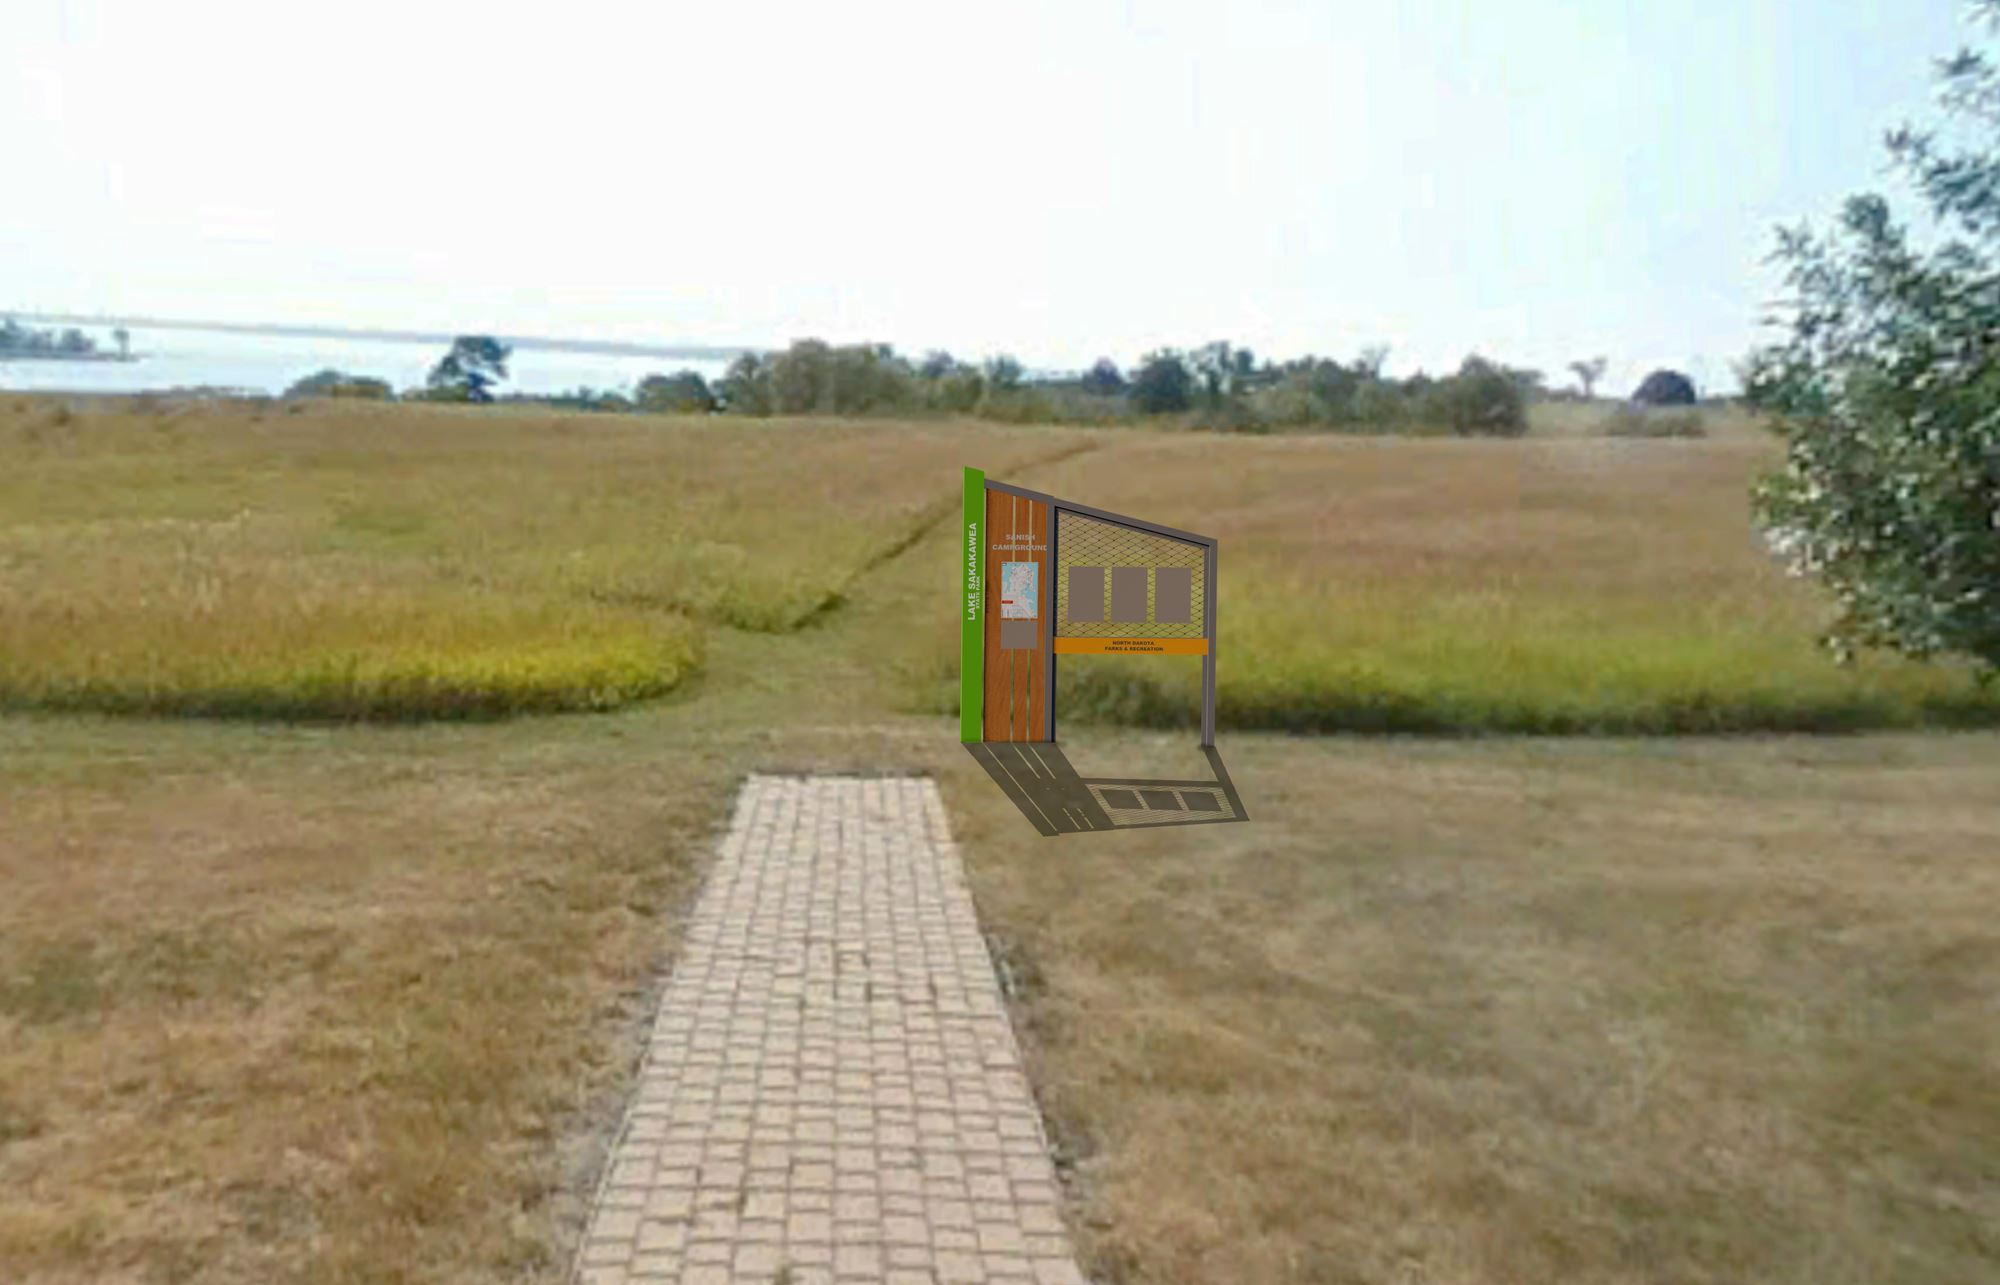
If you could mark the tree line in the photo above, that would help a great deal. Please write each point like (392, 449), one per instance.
(1216, 385)
(17, 340)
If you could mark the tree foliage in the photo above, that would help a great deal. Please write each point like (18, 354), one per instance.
(1886, 391)
(1162, 384)
(1665, 388)
(1003, 373)
(1223, 371)
(336, 383)
(469, 371)
(1483, 399)
(745, 388)
(1104, 378)
(813, 377)
(682, 393)
(959, 389)
(22, 341)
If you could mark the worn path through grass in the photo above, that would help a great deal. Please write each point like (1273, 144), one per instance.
(359, 1003)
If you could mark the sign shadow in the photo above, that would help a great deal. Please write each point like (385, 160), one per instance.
(1038, 777)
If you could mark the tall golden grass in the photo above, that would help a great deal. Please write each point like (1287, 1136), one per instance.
(1558, 585)
(409, 562)
(418, 561)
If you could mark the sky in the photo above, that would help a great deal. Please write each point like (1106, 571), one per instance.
(1534, 180)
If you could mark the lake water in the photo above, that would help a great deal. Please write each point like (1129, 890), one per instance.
(271, 363)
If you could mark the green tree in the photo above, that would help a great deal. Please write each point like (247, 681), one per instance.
(1665, 388)
(123, 338)
(1588, 372)
(1886, 392)
(1163, 384)
(813, 376)
(745, 389)
(682, 393)
(1332, 387)
(1104, 378)
(872, 378)
(1004, 374)
(1222, 370)
(469, 371)
(959, 390)
(1483, 399)
(802, 378)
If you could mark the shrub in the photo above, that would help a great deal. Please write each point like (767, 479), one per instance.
(583, 397)
(1649, 421)
(959, 390)
(682, 393)
(1004, 373)
(1230, 415)
(1017, 406)
(334, 383)
(1482, 399)
(1288, 403)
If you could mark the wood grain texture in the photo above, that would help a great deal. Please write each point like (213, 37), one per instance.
(1017, 530)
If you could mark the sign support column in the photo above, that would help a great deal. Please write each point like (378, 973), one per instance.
(972, 612)
(1208, 657)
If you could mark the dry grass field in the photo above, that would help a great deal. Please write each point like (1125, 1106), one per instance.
(1593, 418)
(1503, 1010)
(347, 1001)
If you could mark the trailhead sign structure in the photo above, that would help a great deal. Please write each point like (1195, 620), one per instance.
(1044, 577)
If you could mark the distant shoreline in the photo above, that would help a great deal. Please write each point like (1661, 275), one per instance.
(607, 347)
(69, 356)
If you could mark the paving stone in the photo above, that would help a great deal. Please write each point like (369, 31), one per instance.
(831, 1087)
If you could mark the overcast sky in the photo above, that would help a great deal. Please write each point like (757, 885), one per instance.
(1536, 180)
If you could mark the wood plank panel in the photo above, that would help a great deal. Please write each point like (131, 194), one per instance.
(1043, 698)
(1017, 530)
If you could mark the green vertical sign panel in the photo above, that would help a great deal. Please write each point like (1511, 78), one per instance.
(972, 614)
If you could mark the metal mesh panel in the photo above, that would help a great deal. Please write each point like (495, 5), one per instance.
(1090, 542)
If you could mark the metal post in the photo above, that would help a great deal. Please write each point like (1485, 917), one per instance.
(1208, 660)
(1049, 632)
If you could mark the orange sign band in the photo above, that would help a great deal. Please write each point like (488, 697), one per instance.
(1131, 646)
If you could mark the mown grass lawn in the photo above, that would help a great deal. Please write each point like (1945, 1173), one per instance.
(1523, 1009)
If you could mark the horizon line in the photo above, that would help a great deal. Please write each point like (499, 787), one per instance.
(609, 347)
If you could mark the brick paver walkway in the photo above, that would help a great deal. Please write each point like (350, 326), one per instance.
(833, 1092)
